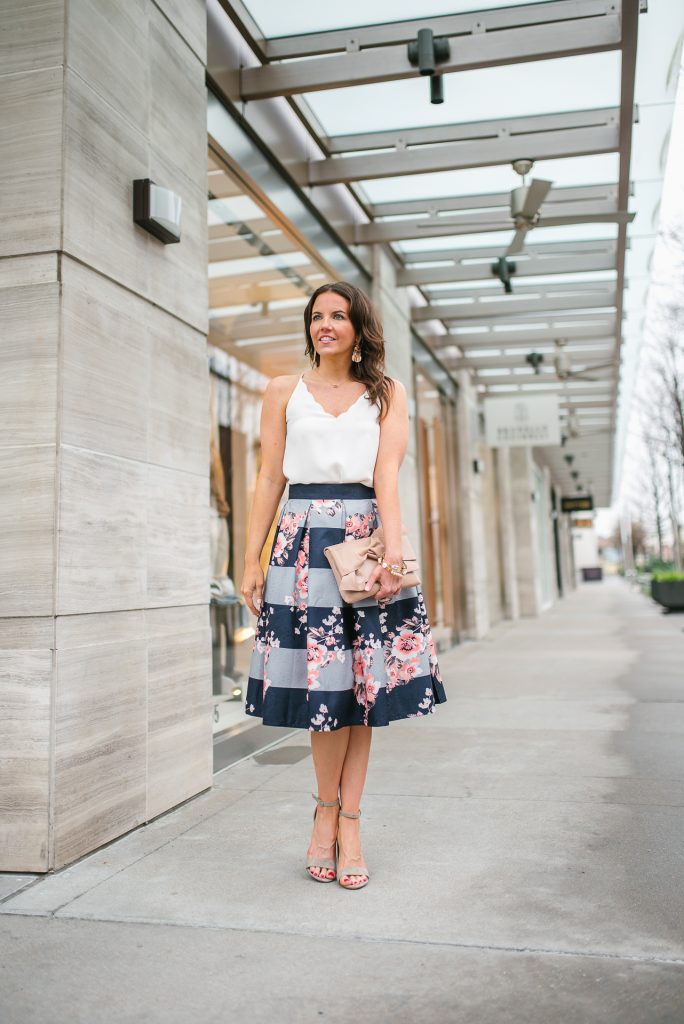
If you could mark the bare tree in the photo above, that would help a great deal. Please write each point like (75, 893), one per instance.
(664, 431)
(656, 490)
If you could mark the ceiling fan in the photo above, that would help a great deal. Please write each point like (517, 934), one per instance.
(563, 367)
(526, 201)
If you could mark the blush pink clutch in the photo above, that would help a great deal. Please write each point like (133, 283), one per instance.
(353, 561)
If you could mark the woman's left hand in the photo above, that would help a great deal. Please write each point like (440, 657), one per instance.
(389, 583)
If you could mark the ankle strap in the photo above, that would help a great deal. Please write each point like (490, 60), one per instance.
(346, 814)
(325, 803)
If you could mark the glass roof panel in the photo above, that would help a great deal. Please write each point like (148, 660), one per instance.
(298, 16)
(541, 87)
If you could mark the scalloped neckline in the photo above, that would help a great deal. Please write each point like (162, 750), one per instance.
(324, 410)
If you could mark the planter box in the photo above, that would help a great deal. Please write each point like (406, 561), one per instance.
(668, 593)
(592, 572)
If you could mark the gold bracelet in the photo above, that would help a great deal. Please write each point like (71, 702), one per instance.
(395, 570)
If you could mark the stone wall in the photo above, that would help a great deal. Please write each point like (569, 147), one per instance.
(104, 632)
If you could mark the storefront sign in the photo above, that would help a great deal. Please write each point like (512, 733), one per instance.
(582, 503)
(523, 420)
(583, 524)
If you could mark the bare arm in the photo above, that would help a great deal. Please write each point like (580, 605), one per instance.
(391, 451)
(269, 486)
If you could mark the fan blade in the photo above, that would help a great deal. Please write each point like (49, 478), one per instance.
(429, 223)
(619, 217)
(536, 194)
(601, 366)
(518, 240)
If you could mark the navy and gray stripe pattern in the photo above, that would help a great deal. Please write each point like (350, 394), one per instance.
(317, 662)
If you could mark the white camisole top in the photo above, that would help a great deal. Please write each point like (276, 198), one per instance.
(324, 449)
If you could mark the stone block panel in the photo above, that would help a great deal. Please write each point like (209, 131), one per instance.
(108, 48)
(31, 147)
(31, 35)
(25, 695)
(104, 153)
(100, 735)
(101, 540)
(179, 708)
(29, 328)
(105, 365)
(27, 529)
(177, 97)
(177, 538)
(178, 391)
(189, 18)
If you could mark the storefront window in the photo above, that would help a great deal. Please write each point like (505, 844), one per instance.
(434, 424)
(260, 278)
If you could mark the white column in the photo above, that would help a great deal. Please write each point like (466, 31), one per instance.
(507, 534)
(527, 550)
(391, 304)
(474, 557)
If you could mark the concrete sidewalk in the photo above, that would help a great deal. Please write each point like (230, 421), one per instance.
(526, 848)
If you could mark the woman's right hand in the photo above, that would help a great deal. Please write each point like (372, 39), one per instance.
(252, 588)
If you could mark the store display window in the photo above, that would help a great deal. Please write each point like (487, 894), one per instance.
(261, 274)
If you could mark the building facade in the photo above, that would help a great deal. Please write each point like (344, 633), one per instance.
(132, 373)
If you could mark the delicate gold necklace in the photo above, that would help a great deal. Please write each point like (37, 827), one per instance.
(330, 384)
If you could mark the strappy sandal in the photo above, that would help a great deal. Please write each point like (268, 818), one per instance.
(357, 869)
(322, 862)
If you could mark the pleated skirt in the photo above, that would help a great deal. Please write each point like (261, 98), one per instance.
(317, 662)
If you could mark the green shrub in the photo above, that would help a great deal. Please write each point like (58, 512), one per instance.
(668, 577)
(655, 565)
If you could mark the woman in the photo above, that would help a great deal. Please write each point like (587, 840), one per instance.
(337, 434)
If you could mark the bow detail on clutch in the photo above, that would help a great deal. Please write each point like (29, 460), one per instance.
(353, 561)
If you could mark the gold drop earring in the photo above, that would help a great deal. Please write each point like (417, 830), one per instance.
(356, 354)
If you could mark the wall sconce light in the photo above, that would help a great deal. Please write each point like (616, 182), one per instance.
(158, 210)
(478, 465)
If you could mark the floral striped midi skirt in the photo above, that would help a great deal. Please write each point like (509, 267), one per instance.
(319, 663)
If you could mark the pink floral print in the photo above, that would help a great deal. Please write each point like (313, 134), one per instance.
(364, 664)
(285, 537)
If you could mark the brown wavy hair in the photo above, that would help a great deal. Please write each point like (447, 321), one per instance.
(366, 323)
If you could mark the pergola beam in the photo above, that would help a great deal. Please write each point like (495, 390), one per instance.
(477, 50)
(540, 249)
(554, 215)
(544, 378)
(491, 200)
(526, 268)
(557, 325)
(480, 152)
(511, 311)
(530, 340)
(311, 44)
(510, 362)
(469, 131)
(579, 289)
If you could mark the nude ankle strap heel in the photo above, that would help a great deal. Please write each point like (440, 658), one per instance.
(351, 870)
(327, 863)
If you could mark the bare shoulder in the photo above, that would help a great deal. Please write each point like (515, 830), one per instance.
(399, 398)
(279, 389)
(399, 388)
